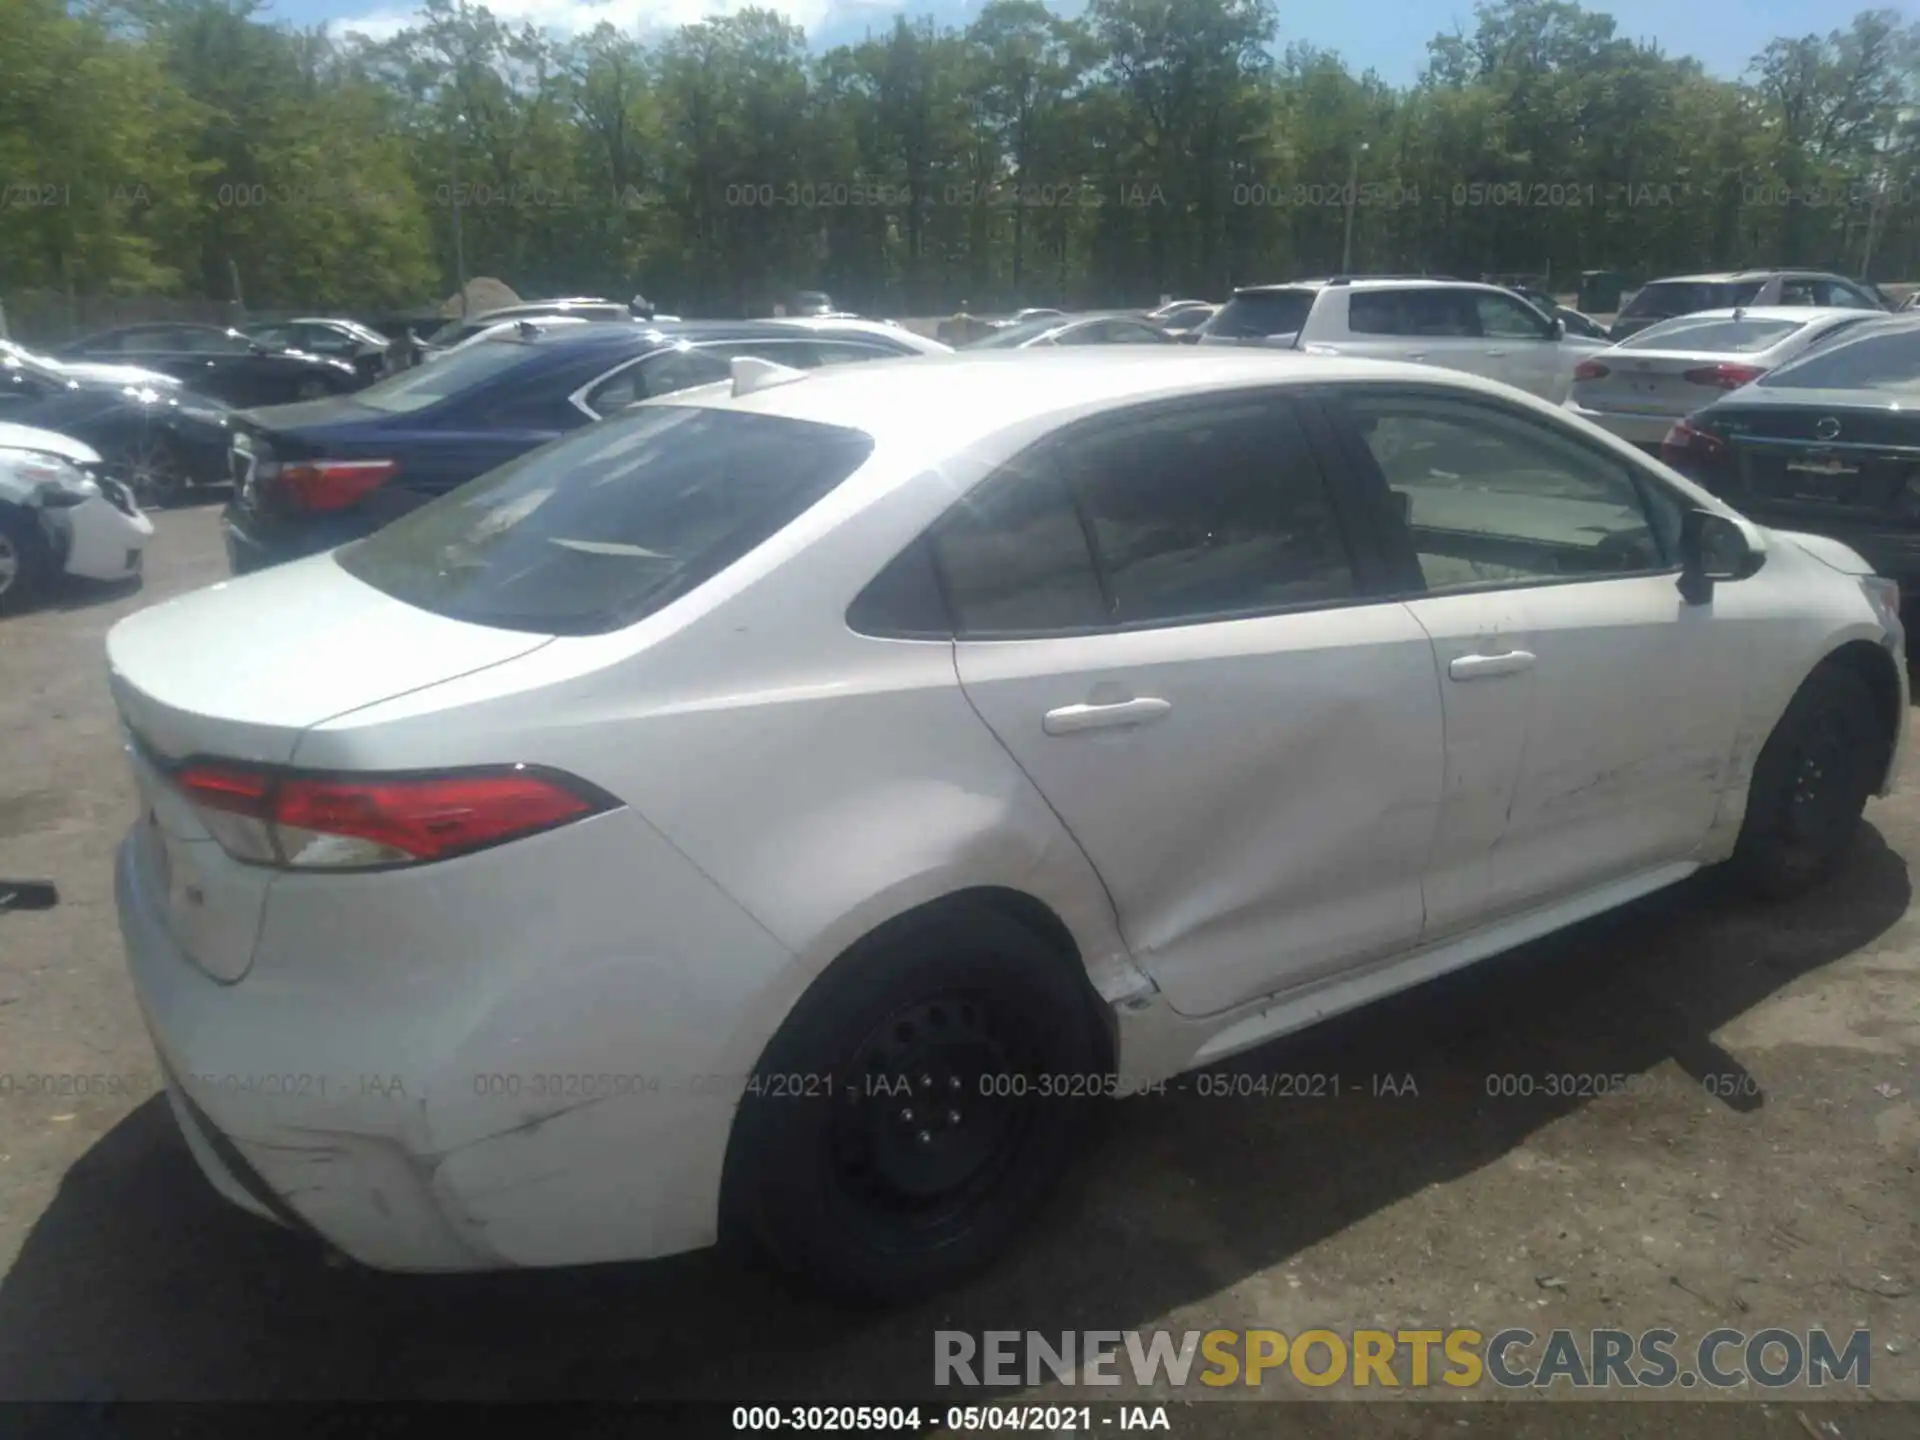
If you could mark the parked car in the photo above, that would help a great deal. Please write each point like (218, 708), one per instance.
(1638, 388)
(1184, 318)
(1575, 321)
(157, 439)
(310, 477)
(60, 515)
(368, 351)
(1456, 324)
(930, 747)
(810, 303)
(1688, 294)
(467, 326)
(1826, 444)
(1052, 330)
(220, 362)
(84, 370)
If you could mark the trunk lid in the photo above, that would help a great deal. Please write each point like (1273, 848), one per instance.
(242, 668)
(239, 671)
(1814, 457)
(1651, 382)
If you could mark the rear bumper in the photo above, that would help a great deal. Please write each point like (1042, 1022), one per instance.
(1632, 426)
(470, 1070)
(255, 541)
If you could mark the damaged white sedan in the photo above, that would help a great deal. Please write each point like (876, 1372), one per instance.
(777, 811)
(59, 515)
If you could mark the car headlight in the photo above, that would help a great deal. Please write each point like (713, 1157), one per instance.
(57, 483)
(1884, 595)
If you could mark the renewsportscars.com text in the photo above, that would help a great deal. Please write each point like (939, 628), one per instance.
(1459, 1358)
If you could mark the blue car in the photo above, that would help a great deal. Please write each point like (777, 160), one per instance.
(309, 477)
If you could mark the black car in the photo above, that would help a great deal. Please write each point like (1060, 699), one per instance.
(220, 362)
(310, 477)
(361, 347)
(157, 442)
(1828, 444)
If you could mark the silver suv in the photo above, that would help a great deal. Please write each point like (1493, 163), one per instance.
(1459, 324)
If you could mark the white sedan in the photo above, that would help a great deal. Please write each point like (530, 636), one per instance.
(776, 811)
(1662, 374)
(59, 516)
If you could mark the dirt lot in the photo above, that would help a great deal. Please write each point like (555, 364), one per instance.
(1762, 1168)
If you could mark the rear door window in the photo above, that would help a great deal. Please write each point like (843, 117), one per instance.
(591, 533)
(450, 375)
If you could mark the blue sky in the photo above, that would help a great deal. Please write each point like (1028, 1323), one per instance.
(1387, 35)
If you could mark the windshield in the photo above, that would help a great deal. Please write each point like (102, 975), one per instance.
(449, 375)
(1014, 336)
(595, 531)
(1724, 336)
(1888, 361)
(1261, 313)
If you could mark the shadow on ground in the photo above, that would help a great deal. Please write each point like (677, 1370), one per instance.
(137, 1282)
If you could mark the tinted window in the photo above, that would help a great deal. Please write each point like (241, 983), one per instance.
(1795, 290)
(449, 375)
(1717, 337)
(1377, 312)
(1208, 511)
(1508, 319)
(843, 352)
(1257, 314)
(1888, 361)
(1684, 297)
(1012, 337)
(274, 337)
(1494, 498)
(591, 533)
(1014, 557)
(1845, 297)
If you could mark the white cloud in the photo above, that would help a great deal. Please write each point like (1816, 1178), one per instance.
(576, 17)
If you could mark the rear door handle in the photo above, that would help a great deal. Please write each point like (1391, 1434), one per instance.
(1497, 352)
(1416, 355)
(1071, 719)
(1488, 667)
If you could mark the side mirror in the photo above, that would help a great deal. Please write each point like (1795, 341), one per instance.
(1712, 549)
(1558, 330)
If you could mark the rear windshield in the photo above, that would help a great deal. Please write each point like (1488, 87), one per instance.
(1717, 337)
(1684, 297)
(448, 375)
(1012, 337)
(1260, 313)
(600, 529)
(1889, 361)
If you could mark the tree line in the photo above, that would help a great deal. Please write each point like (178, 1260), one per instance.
(1146, 147)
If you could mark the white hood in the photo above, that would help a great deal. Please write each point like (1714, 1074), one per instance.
(47, 442)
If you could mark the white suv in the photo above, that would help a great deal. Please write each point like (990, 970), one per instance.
(1481, 329)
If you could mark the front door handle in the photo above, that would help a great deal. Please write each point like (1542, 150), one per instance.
(1071, 719)
(1488, 667)
(1416, 355)
(1501, 354)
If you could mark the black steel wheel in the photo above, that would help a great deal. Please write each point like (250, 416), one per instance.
(916, 1107)
(1811, 783)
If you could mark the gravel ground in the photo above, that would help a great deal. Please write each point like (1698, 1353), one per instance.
(1760, 1166)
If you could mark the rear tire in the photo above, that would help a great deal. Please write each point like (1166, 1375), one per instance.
(26, 563)
(895, 1136)
(1810, 785)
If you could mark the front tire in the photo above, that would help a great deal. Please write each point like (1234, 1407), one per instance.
(152, 469)
(896, 1135)
(25, 561)
(1810, 785)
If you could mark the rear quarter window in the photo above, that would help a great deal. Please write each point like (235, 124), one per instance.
(594, 532)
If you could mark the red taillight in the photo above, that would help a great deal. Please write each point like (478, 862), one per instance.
(355, 823)
(1687, 442)
(332, 484)
(1725, 377)
(1590, 370)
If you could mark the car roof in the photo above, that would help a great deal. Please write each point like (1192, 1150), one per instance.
(941, 402)
(1772, 312)
(1370, 282)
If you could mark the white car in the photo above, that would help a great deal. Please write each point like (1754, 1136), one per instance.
(762, 814)
(58, 515)
(1480, 329)
(1640, 387)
